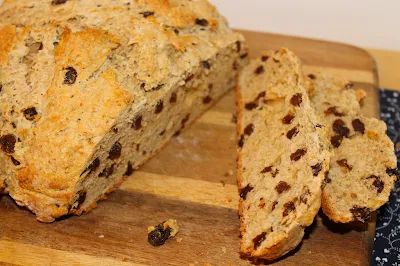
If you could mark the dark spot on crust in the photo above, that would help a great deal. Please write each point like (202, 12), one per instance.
(259, 70)
(202, 22)
(14, 161)
(207, 99)
(159, 106)
(251, 105)
(70, 76)
(81, 198)
(129, 170)
(333, 110)
(343, 163)
(173, 98)
(7, 143)
(340, 128)
(316, 169)
(159, 235)
(115, 151)
(288, 119)
(296, 99)
(360, 213)
(259, 239)
(288, 207)
(298, 154)
(107, 171)
(137, 122)
(274, 205)
(241, 141)
(249, 129)
(358, 126)
(282, 187)
(245, 190)
(264, 58)
(92, 166)
(205, 64)
(349, 86)
(336, 140)
(30, 113)
(378, 183)
(58, 2)
(311, 76)
(292, 133)
(147, 14)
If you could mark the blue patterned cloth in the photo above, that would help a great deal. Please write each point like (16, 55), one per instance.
(387, 237)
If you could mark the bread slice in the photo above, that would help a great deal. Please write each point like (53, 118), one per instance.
(282, 157)
(90, 90)
(363, 165)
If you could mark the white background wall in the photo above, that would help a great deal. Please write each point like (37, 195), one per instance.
(366, 23)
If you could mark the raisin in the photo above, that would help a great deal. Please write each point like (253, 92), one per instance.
(184, 120)
(115, 129)
(147, 14)
(296, 99)
(14, 161)
(303, 196)
(58, 2)
(7, 143)
(288, 119)
(275, 60)
(107, 171)
(156, 88)
(274, 205)
(115, 151)
(243, 56)
(343, 163)
(358, 126)
(282, 187)
(326, 180)
(162, 133)
(292, 133)
(81, 198)
(298, 154)
(333, 110)
(378, 183)
(266, 170)
(288, 207)
(249, 129)
(259, 70)
(316, 169)
(173, 98)
(259, 239)
(159, 235)
(340, 128)
(336, 140)
(92, 166)
(70, 76)
(360, 213)
(189, 78)
(349, 86)
(129, 170)
(238, 46)
(205, 65)
(159, 107)
(275, 173)
(55, 44)
(137, 122)
(177, 133)
(262, 203)
(1, 87)
(241, 141)
(264, 58)
(245, 190)
(251, 105)
(311, 76)
(207, 99)
(176, 31)
(14, 125)
(202, 22)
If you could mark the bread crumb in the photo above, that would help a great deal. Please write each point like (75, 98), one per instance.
(179, 239)
(101, 236)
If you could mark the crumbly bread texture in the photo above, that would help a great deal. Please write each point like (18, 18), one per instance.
(363, 165)
(89, 90)
(282, 156)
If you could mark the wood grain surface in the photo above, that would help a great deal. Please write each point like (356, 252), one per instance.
(192, 180)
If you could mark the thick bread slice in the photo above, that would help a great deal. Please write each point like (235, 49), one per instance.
(281, 156)
(363, 165)
(92, 89)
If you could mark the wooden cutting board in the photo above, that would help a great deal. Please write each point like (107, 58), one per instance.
(193, 180)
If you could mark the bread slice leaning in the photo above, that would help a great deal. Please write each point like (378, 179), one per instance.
(363, 165)
(282, 157)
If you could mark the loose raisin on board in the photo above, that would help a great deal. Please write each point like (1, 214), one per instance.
(358, 126)
(259, 239)
(244, 191)
(159, 235)
(70, 76)
(282, 187)
(298, 154)
(360, 213)
(115, 151)
(7, 143)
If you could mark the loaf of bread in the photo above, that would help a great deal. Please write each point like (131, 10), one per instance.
(89, 90)
(363, 164)
(282, 156)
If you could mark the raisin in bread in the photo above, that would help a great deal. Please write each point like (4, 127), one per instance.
(92, 89)
(363, 165)
(282, 157)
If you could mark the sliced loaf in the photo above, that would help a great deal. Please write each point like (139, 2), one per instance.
(281, 156)
(363, 165)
